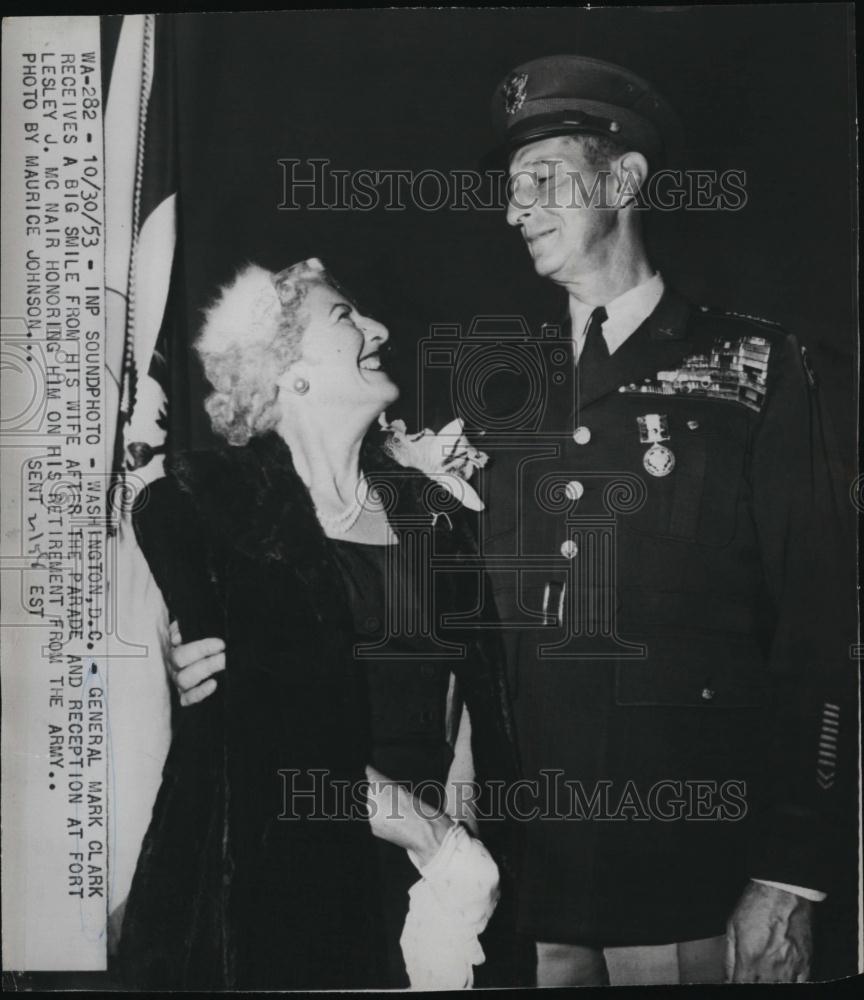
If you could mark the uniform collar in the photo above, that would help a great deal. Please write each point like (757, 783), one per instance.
(625, 314)
(658, 342)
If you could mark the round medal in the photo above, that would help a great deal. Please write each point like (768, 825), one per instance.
(658, 460)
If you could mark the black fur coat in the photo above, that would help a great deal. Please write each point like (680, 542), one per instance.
(225, 893)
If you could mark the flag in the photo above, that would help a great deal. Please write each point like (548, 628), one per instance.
(141, 236)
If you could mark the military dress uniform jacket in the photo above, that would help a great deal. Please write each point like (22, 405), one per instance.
(675, 627)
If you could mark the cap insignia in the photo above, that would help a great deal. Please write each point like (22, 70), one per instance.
(515, 90)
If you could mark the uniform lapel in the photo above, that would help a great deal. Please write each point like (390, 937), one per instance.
(660, 342)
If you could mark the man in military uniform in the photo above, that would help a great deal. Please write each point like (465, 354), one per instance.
(675, 638)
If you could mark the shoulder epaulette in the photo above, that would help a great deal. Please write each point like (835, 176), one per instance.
(731, 314)
(808, 368)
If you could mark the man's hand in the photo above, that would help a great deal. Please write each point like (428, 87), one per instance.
(769, 937)
(192, 666)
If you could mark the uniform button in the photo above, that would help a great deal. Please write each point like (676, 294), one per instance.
(707, 694)
(427, 670)
(569, 549)
(693, 425)
(574, 490)
(426, 717)
(582, 435)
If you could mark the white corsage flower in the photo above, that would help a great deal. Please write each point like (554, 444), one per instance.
(447, 457)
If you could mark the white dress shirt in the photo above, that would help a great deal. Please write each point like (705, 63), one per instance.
(625, 315)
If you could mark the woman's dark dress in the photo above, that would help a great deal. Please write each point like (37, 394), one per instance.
(407, 705)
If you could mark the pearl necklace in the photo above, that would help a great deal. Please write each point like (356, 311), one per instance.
(344, 522)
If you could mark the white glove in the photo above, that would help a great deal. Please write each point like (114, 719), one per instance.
(449, 907)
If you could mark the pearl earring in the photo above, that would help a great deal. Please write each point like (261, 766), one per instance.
(301, 386)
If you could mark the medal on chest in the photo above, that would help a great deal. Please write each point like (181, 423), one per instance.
(654, 429)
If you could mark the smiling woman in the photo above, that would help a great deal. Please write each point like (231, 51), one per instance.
(258, 870)
(253, 334)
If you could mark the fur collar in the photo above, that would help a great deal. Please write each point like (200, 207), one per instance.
(255, 502)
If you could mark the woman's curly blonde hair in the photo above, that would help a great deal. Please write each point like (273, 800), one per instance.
(251, 334)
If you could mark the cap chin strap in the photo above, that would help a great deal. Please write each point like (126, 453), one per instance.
(554, 124)
(574, 123)
(561, 122)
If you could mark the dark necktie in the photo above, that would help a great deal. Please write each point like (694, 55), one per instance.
(594, 350)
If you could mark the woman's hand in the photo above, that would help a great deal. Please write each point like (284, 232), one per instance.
(398, 816)
(191, 665)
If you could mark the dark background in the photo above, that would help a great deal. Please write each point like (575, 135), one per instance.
(765, 89)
